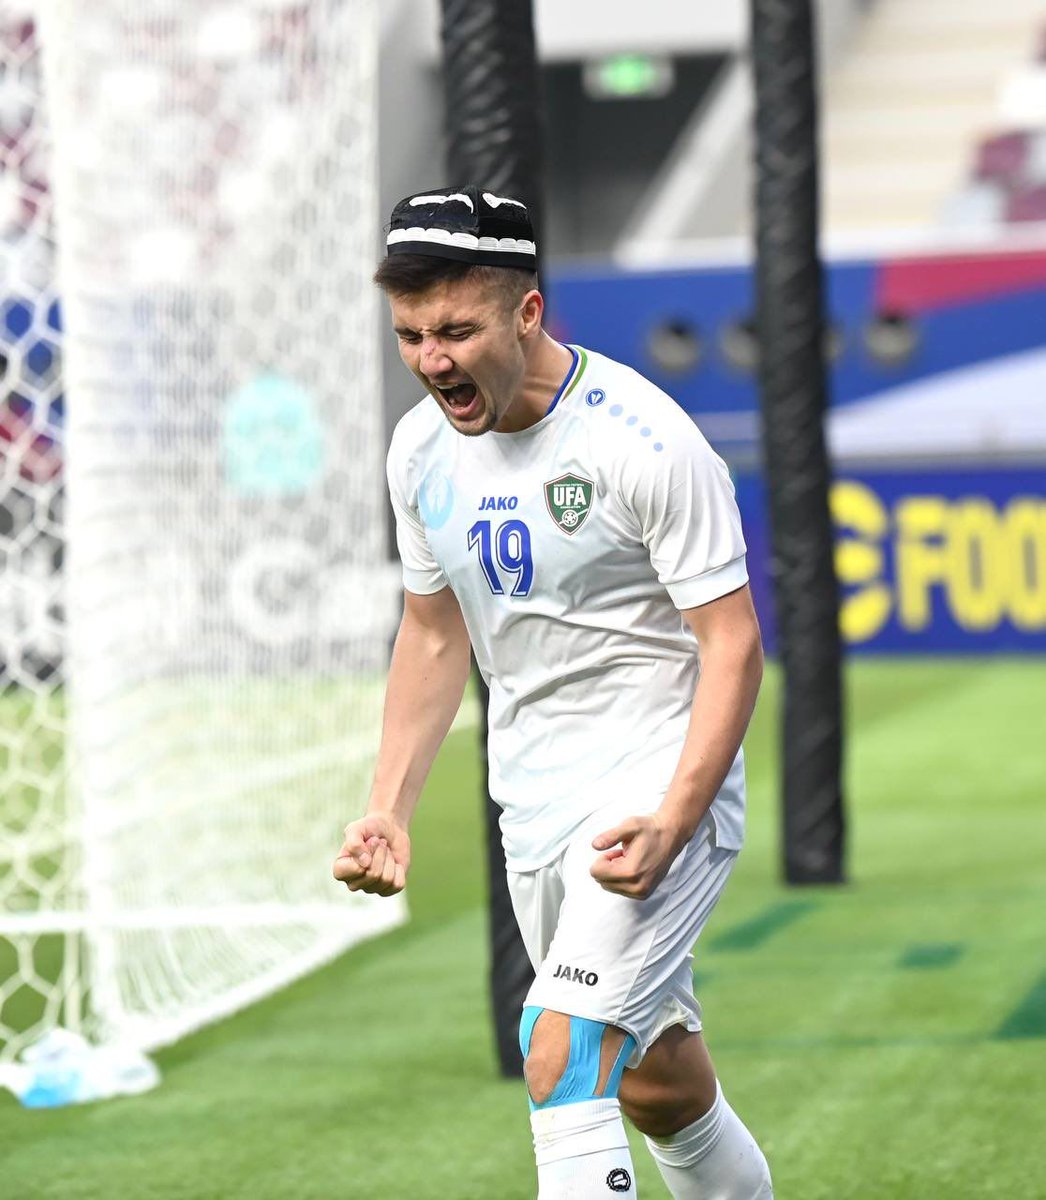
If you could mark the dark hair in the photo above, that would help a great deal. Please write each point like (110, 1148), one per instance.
(412, 274)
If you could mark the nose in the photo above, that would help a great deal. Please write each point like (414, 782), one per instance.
(434, 359)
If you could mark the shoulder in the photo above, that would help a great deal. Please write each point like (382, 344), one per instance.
(634, 422)
(414, 447)
(416, 426)
(415, 434)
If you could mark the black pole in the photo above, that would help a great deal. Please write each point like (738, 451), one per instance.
(494, 139)
(790, 317)
(490, 82)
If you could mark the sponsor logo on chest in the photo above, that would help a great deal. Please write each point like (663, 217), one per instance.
(498, 503)
(569, 500)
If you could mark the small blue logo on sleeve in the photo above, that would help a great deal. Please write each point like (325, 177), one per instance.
(595, 397)
(435, 499)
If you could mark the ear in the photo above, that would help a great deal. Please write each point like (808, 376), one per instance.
(530, 313)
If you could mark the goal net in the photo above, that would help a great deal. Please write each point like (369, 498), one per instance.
(196, 607)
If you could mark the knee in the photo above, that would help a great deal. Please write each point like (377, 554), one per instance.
(567, 1059)
(543, 1068)
(674, 1085)
(544, 1038)
(660, 1112)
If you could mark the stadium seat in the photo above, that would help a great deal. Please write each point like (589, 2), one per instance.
(1002, 156)
(1027, 204)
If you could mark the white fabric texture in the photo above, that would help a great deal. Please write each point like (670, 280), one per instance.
(715, 1158)
(612, 959)
(590, 666)
(582, 1151)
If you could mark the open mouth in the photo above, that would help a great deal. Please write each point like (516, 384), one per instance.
(460, 398)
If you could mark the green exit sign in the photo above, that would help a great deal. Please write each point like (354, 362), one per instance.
(629, 77)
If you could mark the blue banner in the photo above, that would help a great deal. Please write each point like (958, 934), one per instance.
(928, 562)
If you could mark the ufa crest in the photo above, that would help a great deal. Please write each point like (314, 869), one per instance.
(569, 500)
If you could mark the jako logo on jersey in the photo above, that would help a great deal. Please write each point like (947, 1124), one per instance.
(569, 500)
(499, 502)
(576, 975)
(619, 1180)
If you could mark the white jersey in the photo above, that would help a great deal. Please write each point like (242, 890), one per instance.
(570, 547)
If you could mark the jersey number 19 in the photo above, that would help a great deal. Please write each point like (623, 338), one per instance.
(507, 547)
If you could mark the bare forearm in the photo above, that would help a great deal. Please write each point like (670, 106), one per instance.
(427, 679)
(723, 704)
(636, 854)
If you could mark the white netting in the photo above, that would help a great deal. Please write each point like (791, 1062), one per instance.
(227, 597)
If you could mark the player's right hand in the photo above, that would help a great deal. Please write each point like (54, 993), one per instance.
(374, 857)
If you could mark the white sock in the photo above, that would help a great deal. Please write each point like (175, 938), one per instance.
(716, 1158)
(582, 1152)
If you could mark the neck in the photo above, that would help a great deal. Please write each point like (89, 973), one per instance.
(547, 365)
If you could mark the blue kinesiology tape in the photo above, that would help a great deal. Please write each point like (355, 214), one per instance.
(581, 1074)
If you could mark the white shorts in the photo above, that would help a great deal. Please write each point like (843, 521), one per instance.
(612, 959)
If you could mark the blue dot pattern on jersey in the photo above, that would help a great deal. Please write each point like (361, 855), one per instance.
(616, 410)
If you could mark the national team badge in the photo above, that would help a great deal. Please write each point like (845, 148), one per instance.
(569, 499)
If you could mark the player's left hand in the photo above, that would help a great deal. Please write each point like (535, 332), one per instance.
(637, 855)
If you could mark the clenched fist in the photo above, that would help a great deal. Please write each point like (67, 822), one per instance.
(636, 856)
(374, 856)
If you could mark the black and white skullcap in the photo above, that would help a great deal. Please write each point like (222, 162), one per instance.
(465, 223)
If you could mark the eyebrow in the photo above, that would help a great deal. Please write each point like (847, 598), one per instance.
(447, 327)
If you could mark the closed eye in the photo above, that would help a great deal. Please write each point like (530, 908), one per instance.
(452, 333)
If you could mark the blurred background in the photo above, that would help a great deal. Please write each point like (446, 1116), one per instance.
(196, 597)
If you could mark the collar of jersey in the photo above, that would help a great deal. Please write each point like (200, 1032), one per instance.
(578, 362)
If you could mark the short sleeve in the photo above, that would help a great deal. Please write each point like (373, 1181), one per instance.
(421, 573)
(683, 499)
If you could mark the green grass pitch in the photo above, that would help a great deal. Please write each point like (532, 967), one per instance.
(885, 1040)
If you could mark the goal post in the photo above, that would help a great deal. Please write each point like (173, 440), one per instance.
(223, 603)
